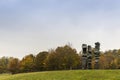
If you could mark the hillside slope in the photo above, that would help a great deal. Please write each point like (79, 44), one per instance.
(66, 75)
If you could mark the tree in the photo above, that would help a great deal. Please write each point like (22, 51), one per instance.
(68, 57)
(27, 63)
(3, 64)
(40, 61)
(104, 64)
(51, 62)
(13, 65)
(63, 58)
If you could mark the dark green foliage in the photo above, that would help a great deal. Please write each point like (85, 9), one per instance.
(3, 64)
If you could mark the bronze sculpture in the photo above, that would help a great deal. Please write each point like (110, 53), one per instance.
(87, 56)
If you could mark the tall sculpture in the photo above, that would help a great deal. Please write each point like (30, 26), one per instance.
(84, 56)
(97, 54)
(87, 56)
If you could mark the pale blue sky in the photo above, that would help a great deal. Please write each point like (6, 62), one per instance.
(31, 26)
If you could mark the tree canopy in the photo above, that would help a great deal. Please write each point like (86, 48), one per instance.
(62, 58)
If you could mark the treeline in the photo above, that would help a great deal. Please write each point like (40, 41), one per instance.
(61, 58)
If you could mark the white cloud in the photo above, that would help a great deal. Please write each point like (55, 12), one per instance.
(40, 29)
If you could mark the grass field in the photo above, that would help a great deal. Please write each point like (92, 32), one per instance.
(66, 75)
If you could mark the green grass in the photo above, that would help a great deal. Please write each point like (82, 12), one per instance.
(66, 75)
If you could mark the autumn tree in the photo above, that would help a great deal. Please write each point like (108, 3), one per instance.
(51, 62)
(13, 65)
(103, 63)
(40, 61)
(27, 63)
(64, 57)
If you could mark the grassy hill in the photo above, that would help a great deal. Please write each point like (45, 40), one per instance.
(66, 75)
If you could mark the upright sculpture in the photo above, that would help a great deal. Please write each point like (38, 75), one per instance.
(84, 56)
(97, 54)
(87, 56)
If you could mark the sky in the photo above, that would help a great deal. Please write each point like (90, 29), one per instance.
(32, 26)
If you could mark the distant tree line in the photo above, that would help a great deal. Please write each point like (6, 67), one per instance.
(61, 58)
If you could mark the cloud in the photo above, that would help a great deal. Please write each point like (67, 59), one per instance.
(36, 25)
